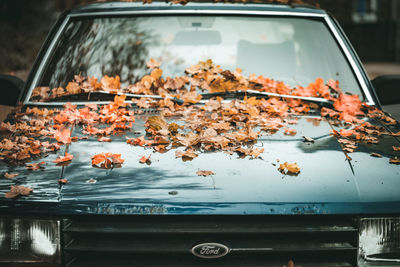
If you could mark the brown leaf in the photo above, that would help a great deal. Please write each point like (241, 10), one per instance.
(18, 190)
(11, 175)
(395, 160)
(63, 136)
(63, 181)
(376, 155)
(104, 139)
(145, 159)
(289, 168)
(396, 148)
(35, 166)
(63, 159)
(204, 173)
(185, 155)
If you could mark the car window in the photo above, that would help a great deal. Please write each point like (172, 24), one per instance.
(289, 49)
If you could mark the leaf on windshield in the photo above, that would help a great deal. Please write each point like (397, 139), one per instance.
(63, 181)
(153, 64)
(11, 175)
(289, 131)
(308, 139)
(18, 190)
(289, 168)
(110, 83)
(204, 173)
(396, 148)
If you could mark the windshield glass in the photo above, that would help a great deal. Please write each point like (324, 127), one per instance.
(293, 50)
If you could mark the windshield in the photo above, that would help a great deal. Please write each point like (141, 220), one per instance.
(293, 50)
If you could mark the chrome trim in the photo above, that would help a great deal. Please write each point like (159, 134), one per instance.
(199, 11)
(207, 247)
(351, 60)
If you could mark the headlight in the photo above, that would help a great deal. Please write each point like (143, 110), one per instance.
(379, 243)
(34, 241)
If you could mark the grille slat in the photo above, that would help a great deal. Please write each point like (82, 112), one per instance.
(308, 240)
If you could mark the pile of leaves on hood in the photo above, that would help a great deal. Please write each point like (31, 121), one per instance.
(215, 125)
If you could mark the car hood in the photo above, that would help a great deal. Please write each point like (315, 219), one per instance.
(327, 183)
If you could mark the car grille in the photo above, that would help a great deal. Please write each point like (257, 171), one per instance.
(167, 240)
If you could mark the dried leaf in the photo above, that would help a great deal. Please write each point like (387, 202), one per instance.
(185, 155)
(18, 190)
(145, 159)
(396, 148)
(394, 160)
(11, 175)
(153, 64)
(63, 181)
(289, 168)
(107, 160)
(204, 173)
(104, 139)
(376, 155)
(308, 139)
(35, 166)
(63, 136)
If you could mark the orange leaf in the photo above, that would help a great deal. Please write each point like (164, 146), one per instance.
(11, 175)
(396, 148)
(110, 83)
(66, 158)
(62, 181)
(289, 168)
(204, 173)
(63, 136)
(145, 159)
(104, 139)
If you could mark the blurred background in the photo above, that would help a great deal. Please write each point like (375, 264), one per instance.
(373, 27)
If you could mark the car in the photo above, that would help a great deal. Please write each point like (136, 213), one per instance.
(204, 134)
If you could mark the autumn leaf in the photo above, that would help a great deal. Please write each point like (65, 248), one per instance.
(119, 100)
(104, 139)
(18, 190)
(395, 160)
(376, 155)
(63, 136)
(145, 159)
(63, 181)
(11, 175)
(35, 166)
(289, 131)
(204, 173)
(185, 155)
(289, 168)
(63, 159)
(107, 160)
(396, 148)
(110, 83)
(255, 152)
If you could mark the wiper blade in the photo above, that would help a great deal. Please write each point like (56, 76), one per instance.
(176, 100)
(318, 100)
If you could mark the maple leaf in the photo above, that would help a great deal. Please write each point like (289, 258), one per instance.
(156, 123)
(18, 190)
(185, 155)
(204, 173)
(63, 159)
(63, 181)
(73, 88)
(289, 131)
(153, 64)
(376, 155)
(395, 160)
(11, 175)
(145, 159)
(104, 139)
(110, 83)
(255, 152)
(119, 100)
(63, 136)
(289, 168)
(107, 160)
(35, 166)
(350, 104)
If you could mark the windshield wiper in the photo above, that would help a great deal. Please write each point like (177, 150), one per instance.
(158, 97)
(317, 100)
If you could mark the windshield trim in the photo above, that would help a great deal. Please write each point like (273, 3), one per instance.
(359, 77)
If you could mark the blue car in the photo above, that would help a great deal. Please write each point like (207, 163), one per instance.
(124, 150)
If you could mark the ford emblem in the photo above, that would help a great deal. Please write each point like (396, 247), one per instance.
(210, 250)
